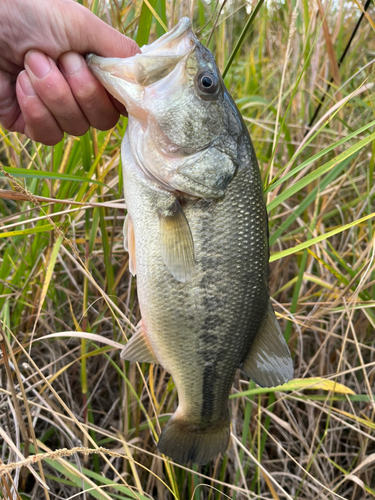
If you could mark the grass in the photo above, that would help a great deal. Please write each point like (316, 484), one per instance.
(84, 423)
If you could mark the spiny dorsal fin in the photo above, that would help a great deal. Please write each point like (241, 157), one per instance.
(129, 243)
(177, 246)
(269, 362)
(138, 347)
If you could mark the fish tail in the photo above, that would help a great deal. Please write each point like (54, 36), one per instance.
(184, 441)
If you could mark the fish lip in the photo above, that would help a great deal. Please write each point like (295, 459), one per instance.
(171, 36)
(127, 78)
(113, 66)
(173, 44)
(168, 38)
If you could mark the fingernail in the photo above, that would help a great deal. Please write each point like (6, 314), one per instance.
(71, 62)
(38, 63)
(25, 84)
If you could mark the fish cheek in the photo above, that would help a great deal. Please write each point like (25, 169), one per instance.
(188, 124)
(207, 176)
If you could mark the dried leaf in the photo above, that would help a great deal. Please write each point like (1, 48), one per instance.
(84, 335)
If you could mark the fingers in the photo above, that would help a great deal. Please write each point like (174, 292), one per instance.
(70, 100)
(51, 102)
(9, 109)
(88, 92)
(36, 121)
(54, 91)
(47, 100)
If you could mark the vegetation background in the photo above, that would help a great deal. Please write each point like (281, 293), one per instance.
(94, 418)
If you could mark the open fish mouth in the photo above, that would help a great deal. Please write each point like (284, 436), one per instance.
(164, 88)
(125, 78)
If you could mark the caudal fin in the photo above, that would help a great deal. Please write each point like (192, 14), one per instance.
(185, 442)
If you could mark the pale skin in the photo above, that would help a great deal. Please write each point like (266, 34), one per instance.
(46, 88)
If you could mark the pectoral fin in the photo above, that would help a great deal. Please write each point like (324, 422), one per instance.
(269, 362)
(138, 348)
(177, 246)
(129, 243)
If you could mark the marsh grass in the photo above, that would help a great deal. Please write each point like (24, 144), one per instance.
(85, 423)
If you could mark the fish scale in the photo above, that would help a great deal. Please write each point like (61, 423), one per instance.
(201, 317)
(197, 236)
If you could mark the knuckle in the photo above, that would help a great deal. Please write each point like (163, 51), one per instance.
(57, 97)
(66, 115)
(88, 94)
(6, 105)
(34, 117)
(54, 91)
(35, 113)
(8, 117)
(9, 108)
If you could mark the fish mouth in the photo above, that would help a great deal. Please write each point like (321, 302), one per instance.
(126, 78)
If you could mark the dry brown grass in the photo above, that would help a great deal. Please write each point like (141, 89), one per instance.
(82, 421)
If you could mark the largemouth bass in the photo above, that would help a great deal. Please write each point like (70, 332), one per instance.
(197, 236)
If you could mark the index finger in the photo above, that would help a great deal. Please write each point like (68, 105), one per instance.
(90, 95)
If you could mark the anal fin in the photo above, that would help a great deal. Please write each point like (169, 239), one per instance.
(177, 246)
(129, 243)
(138, 347)
(269, 362)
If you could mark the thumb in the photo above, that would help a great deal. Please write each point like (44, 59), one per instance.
(87, 33)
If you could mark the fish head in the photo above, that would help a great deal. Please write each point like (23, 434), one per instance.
(176, 99)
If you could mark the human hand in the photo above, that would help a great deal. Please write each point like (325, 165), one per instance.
(46, 88)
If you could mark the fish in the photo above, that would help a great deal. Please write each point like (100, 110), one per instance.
(197, 235)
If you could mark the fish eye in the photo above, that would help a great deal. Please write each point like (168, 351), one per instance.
(207, 82)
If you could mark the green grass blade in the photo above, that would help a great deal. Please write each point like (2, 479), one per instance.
(35, 174)
(32, 230)
(314, 158)
(318, 239)
(144, 25)
(313, 176)
(241, 39)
